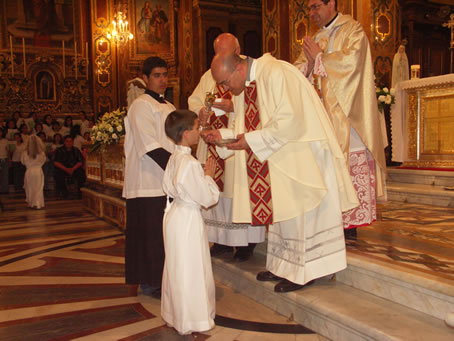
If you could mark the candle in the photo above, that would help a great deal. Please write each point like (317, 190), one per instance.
(86, 57)
(63, 53)
(23, 56)
(75, 56)
(12, 60)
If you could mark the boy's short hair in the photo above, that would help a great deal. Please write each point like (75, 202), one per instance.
(150, 63)
(177, 122)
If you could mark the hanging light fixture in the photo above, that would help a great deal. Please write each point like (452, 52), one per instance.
(120, 30)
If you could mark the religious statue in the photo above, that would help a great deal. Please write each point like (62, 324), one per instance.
(400, 67)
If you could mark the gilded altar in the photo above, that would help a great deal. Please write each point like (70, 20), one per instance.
(105, 174)
(423, 122)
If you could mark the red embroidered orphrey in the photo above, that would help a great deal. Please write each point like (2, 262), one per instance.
(258, 173)
(218, 122)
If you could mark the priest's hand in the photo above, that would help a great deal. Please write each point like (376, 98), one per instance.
(209, 136)
(224, 104)
(241, 144)
(311, 49)
(210, 167)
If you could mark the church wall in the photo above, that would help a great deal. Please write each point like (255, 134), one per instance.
(51, 78)
(210, 18)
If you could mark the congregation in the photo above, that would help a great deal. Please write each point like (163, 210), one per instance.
(62, 143)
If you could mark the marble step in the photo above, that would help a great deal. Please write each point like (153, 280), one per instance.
(412, 289)
(422, 177)
(420, 194)
(331, 308)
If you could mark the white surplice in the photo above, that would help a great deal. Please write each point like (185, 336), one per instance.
(34, 179)
(188, 291)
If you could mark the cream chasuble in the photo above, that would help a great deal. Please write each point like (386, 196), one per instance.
(349, 90)
(310, 182)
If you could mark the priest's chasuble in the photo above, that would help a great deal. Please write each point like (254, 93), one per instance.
(292, 117)
(348, 91)
(310, 182)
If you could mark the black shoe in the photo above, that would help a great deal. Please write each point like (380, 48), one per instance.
(156, 294)
(242, 254)
(218, 249)
(265, 276)
(286, 286)
(350, 233)
(147, 289)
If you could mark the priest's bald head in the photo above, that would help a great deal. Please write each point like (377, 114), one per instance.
(226, 43)
(230, 71)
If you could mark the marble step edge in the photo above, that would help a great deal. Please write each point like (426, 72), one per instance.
(411, 289)
(427, 177)
(334, 310)
(419, 189)
(428, 294)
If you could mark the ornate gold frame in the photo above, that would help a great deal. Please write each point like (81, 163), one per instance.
(167, 55)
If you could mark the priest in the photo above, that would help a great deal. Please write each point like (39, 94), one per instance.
(338, 60)
(289, 172)
(218, 219)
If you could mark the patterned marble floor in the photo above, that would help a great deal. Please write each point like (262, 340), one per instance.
(61, 278)
(411, 237)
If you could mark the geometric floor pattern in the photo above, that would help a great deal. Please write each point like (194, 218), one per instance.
(62, 278)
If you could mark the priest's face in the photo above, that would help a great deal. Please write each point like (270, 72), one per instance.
(321, 13)
(231, 81)
(157, 80)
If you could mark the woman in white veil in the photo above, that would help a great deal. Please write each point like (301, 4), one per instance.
(33, 159)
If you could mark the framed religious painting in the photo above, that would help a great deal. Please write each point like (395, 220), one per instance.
(45, 86)
(41, 24)
(153, 29)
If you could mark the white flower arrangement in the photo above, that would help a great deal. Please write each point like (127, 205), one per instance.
(385, 97)
(108, 129)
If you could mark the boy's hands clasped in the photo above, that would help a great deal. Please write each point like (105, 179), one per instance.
(210, 167)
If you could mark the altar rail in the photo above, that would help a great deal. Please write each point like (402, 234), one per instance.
(105, 175)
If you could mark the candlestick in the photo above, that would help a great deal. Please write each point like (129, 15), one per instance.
(12, 58)
(86, 57)
(75, 56)
(23, 56)
(63, 53)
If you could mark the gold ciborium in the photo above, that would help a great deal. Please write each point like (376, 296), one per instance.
(210, 97)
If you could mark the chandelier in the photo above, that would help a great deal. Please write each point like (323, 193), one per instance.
(120, 31)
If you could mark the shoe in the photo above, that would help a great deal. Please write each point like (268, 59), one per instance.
(286, 286)
(350, 233)
(242, 254)
(265, 276)
(218, 249)
(156, 294)
(148, 289)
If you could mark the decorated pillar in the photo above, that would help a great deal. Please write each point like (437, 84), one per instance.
(102, 55)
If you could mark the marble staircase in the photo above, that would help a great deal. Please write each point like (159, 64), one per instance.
(421, 186)
(370, 300)
(364, 302)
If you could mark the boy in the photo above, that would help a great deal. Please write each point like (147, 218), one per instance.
(188, 291)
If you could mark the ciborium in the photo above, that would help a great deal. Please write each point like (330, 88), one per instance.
(210, 97)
